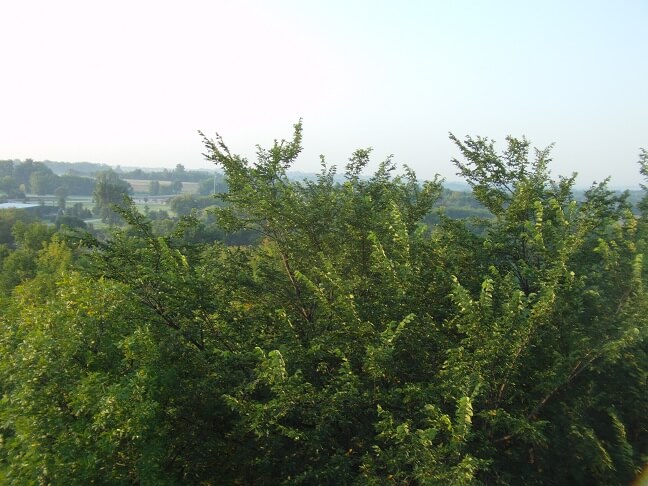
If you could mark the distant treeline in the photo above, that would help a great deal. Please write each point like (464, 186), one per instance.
(177, 174)
(19, 178)
(75, 168)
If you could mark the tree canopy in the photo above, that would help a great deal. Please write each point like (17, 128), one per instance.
(353, 344)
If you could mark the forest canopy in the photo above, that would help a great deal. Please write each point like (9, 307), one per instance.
(353, 343)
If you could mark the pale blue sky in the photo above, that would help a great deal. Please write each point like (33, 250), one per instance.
(130, 82)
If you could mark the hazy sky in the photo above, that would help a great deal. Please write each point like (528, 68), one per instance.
(131, 82)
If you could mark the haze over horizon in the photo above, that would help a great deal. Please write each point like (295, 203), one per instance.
(131, 83)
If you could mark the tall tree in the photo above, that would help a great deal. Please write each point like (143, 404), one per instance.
(61, 193)
(110, 191)
(154, 188)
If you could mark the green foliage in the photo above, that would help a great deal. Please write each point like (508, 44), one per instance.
(183, 205)
(78, 185)
(21, 264)
(77, 210)
(110, 191)
(8, 219)
(32, 176)
(352, 345)
(154, 188)
(176, 187)
(212, 185)
(61, 193)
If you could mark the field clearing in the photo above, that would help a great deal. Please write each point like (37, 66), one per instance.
(141, 186)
